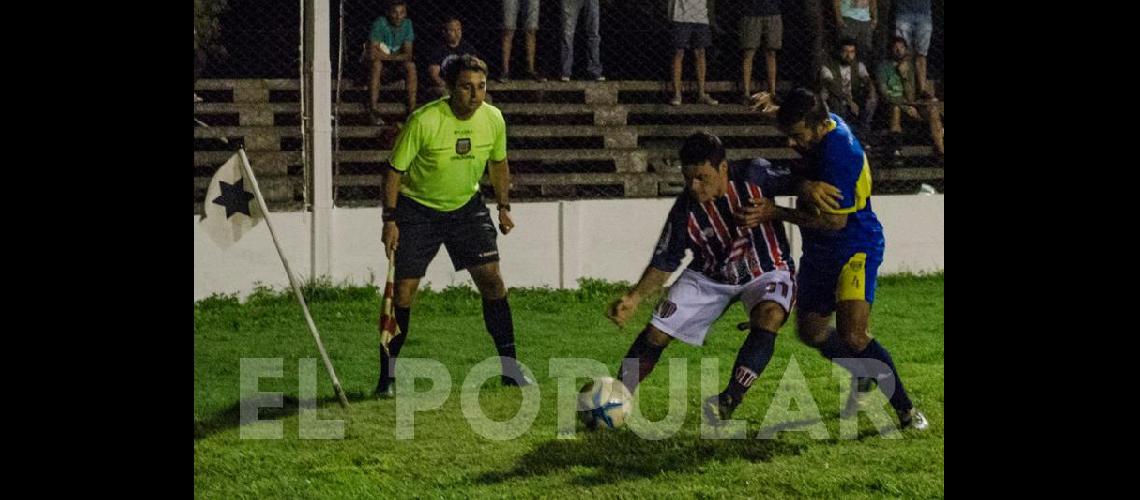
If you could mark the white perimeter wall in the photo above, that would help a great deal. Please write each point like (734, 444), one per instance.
(553, 244)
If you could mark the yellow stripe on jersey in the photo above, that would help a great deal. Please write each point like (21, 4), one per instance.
(862, 191)
(853, 279)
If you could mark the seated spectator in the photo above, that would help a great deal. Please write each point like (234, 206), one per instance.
(913, 22)
(897, 86)
(848, 88)
(857, 19)
(453, 45)
(690, 31)
(391, 41)
(761, 22)
(571, 9)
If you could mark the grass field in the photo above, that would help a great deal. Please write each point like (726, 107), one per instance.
(447, 458)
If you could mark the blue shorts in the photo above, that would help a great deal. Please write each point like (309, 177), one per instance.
(916, 29)
(691, 36)
(824, 279)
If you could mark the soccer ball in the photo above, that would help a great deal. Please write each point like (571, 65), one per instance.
(603, 403)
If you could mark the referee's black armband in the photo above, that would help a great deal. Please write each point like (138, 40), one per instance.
(389, 214)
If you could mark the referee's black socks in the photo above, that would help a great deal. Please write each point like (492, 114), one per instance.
(497, 319)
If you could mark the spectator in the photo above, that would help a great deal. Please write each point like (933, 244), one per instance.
(848, 88)
(571, 9)
(510, 18)
(913, 23)
(690, 31)
(897, 86)
(761, 20)
(391, 41)
(453, 45)
(857, 19)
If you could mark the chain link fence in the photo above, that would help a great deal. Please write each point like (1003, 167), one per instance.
(566, 140)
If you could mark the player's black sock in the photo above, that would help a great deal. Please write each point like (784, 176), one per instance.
(497, 319)
(388, 363)
(646, 355)
(753, 356)
(834, 347)
(899, 399)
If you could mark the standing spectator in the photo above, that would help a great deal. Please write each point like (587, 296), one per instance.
(690, 31)
(913, 23)
(453, 45)
(847, 86)
(761, 21)
(857, 19)
(510, 22)
(391, 41)
(571, 9)
(896, 84)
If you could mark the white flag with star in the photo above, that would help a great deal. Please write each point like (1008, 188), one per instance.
(230, 208)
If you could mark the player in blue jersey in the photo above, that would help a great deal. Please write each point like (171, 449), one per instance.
(842, 248)
(730, 262)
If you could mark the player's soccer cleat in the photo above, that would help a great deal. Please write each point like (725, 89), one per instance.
(385, 388)
(718, 409)
(861, 389)
(519, 380)
(913, 419)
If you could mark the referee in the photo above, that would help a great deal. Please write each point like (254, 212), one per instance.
(431, 197)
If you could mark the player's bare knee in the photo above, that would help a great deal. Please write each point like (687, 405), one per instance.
(657, 337)
(856, 341)
(810, 332)
(768, 316)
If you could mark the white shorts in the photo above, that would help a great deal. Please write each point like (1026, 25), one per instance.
(694, 302)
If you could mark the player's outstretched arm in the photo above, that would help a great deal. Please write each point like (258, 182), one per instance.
(651, 281)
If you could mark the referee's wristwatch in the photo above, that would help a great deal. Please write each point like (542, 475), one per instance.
(504, 206)
(388, 215)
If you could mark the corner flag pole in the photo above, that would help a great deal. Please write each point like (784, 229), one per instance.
(292, 281)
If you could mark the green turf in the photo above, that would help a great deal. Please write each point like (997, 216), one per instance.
(448, 459)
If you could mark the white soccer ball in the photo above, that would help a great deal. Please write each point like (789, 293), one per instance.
(604, 403)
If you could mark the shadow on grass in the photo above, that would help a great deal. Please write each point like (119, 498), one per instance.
(230, 418)
(623, 455)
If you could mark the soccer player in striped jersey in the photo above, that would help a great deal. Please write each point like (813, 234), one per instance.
(730, 262)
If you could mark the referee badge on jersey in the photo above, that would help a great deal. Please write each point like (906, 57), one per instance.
(463, 145)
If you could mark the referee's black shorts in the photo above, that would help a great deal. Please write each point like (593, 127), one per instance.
(467, 232)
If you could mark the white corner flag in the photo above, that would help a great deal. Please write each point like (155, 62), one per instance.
(230, 209)
(230, 214)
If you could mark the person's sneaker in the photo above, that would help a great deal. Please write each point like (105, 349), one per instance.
(861, 389)
(535, 76)
(676, 101)
(717, 409)
(503, 78)
(197, 99)
(564, 79)
(913, 419)
(385, 388)
(599, 78)
(519, 380)
(707, 99)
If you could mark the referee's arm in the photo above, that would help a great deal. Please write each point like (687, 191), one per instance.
(501, 181)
